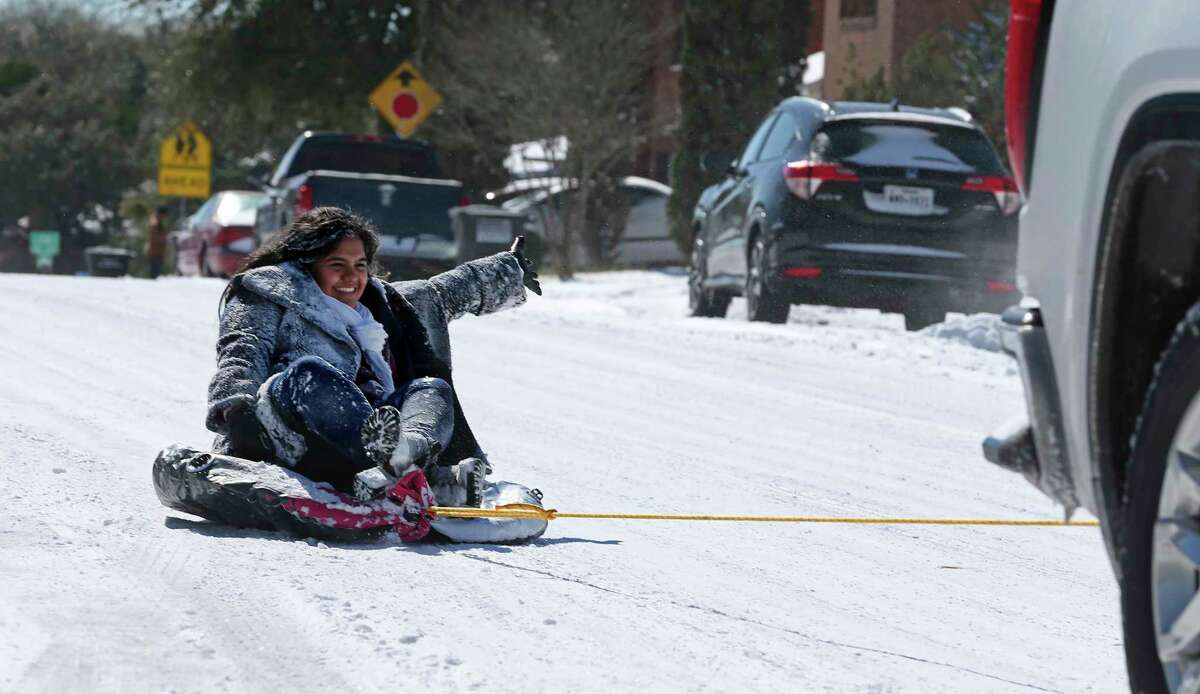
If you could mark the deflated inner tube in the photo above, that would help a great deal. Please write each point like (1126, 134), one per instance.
(250, 494)
(495, 530)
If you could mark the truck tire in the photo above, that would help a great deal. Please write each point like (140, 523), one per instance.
(915, 319)
(1160, 557)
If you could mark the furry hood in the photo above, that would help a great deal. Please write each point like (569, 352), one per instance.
(291, 286)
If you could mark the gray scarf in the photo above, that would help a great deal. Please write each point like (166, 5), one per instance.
(369, 335)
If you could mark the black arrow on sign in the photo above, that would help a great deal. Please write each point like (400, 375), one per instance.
(406, 77)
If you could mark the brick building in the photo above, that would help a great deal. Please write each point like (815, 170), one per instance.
(860, 36)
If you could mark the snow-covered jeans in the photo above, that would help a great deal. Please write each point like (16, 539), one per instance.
(324, 412)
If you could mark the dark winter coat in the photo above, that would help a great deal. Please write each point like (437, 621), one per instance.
(156, 238)
(274, 316)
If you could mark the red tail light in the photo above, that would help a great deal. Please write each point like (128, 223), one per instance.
(1018, 82)
(227, 235)
(804, 177)
(802, 273)
(1008, 198)
(464, 200)
(364, 137)
(1000, 287)
(304, 199)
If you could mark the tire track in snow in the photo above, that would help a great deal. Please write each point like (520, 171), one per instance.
(763, 625)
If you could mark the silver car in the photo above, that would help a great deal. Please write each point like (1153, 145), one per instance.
(1103, 111)
(646, 240)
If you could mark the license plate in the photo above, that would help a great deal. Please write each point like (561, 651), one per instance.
(908, 200)
(490, 230)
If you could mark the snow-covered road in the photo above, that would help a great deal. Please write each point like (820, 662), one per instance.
(604, 396)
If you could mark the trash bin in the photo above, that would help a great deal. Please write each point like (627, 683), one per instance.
(107, 261)
(481, 230)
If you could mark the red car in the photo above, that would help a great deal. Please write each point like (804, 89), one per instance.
(217, 238)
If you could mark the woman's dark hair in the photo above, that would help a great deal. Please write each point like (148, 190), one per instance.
(307, 239)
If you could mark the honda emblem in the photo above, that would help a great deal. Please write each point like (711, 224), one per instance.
(911, 174)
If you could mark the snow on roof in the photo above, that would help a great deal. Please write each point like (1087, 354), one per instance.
(536, 158)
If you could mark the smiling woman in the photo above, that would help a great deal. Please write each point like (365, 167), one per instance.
(326, 369)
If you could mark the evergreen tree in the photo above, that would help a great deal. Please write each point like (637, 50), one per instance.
(739, 56)
(72, 93)
(978, 57)
(962, 67)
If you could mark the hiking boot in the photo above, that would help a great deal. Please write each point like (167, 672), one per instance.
(471, 474)
(459, 485)
(393, 449)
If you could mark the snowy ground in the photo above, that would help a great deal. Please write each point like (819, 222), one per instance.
(604, 396)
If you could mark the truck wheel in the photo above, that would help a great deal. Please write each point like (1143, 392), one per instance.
(915, 319)
(762, 302)
(703, 303)
(1160, 561)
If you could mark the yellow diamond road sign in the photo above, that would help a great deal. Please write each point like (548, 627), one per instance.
(405, 99)
(185, 163)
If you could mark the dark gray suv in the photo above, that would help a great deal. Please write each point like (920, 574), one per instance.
(862, 205)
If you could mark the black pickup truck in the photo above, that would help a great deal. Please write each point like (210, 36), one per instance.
(395, 183)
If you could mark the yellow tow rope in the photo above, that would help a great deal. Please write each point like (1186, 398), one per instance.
(531, 512)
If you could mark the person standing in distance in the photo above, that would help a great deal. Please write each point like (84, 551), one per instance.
(156, 240)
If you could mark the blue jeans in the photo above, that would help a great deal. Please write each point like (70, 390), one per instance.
(327, 409)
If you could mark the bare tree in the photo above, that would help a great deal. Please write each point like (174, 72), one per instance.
(519, 71)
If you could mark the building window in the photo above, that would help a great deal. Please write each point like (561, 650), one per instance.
(859, 9)
(858, 14)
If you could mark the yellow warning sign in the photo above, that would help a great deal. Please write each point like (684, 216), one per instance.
(185, 163)
(405, 99)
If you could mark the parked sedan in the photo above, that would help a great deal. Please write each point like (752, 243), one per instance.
(646, 240)
(216, 239)
(860, 205)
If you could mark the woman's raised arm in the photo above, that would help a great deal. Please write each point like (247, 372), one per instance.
(481, 286)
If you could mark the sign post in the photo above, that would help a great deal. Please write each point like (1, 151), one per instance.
(404, 99)
(45, 245)
(185, 163)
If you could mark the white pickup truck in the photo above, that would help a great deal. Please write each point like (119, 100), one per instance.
(1103, 111)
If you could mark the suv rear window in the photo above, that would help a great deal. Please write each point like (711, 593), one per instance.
(916, 145)
(365, 157)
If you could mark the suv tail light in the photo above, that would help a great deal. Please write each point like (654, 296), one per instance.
(1008, 198)
(1023, 22)
(804, 177)
(304, 199)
